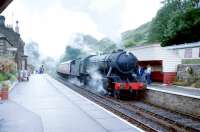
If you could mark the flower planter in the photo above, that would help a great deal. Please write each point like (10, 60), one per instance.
(4, 94)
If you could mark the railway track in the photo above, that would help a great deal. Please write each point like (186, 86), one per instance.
(137, 113)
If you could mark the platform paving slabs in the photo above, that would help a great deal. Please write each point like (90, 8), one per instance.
(16, 118)
(100, 114)
(112, 124)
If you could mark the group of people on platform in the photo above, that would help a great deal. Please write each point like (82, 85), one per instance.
(144, 74)
(24, 74)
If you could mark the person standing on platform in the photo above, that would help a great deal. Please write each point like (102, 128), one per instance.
(148, 74)
(41, 70)
(141, 73)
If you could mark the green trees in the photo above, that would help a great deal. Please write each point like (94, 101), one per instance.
(176, 22)
(71, 53)
(183, 28)
(106, 45)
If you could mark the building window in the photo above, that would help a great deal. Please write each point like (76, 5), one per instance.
(188, 53)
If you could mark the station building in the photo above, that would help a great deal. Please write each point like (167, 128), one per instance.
(14, 39)
(6, 48)
(164, 60)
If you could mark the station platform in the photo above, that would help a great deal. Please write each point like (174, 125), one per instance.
(61, 109)
(178, 90)
(16, 118)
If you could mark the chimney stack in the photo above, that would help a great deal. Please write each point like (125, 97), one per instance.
(2, 20)
(17, 27)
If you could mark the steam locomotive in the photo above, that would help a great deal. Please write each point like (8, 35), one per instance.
(118, 72)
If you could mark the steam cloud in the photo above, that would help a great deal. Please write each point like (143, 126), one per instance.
(75, 81)
(96, 80)
(77, 41)
(95, 83)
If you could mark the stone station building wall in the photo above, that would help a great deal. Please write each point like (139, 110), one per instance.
(188, 71)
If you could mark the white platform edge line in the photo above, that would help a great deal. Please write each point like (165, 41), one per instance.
(175, 93)
(126, 122)
(190, 88)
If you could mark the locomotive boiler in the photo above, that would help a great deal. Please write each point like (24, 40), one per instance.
(118, 71)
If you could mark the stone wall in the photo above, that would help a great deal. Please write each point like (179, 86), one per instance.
(181, 104)
(188, 71)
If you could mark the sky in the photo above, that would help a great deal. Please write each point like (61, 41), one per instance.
(51, 23)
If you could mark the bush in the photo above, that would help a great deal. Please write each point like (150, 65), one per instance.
(180, 83)
(196, 84)
(3, 76)
(13, 77)
(8, 69)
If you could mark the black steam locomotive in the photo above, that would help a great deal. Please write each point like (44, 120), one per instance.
(118, 71)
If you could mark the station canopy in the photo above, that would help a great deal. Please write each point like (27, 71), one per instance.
(4, 4)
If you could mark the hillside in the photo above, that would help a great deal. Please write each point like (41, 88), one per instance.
(136, 36)
(83, 45)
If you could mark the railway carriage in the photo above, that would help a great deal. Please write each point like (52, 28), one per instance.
(64, 68)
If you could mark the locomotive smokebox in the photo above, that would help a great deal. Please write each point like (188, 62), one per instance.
(123, 61)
